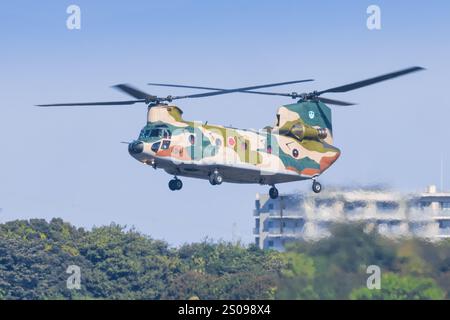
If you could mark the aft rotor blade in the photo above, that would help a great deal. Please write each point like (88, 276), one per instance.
(335, 102)
(208, 94)
(370, 81)
(135, 93)
(106, 103)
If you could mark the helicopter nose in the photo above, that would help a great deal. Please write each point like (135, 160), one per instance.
(135, 147)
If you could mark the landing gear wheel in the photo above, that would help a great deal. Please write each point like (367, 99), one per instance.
(175, 184)
(218, 179)
(316, 187)
(215, 178)
(178, 184)
(273, 193)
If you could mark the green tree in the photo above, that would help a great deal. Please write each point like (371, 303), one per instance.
(394, 287)
(297, 276)
(121, 263)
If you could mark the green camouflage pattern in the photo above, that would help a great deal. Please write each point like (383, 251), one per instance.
(297, 147)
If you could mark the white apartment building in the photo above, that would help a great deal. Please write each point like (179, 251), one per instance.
(308, 216)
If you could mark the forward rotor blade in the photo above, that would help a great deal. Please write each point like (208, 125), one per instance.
(106, 103)
(370, 81)
(226, 91)
(183, 86)
(218, 89)
(135, 93)
(335, 102)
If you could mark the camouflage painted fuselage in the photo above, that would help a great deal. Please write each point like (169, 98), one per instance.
(298, 147)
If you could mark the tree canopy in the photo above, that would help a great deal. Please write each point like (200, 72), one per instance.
(121, 263)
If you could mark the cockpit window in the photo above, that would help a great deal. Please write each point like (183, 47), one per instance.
(166, 134)
(156, 133)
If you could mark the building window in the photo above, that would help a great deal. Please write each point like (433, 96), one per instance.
(270, 243)
(354, 205)
(445, 205)
(424, 204)
(270, 224)
(270, 206)
(444, 224)
(325, 202)
(387, 205)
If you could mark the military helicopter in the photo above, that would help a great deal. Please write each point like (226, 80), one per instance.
(298, 147)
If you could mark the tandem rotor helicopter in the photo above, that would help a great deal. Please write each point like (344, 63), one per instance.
(298, 147)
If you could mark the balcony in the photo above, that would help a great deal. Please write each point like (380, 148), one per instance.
(286, 214)
(285, 232)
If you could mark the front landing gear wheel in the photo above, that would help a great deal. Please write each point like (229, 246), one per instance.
(273, 193)
(316, 187)
(175, 184)
(215, 178)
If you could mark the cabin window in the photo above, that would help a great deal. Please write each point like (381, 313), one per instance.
(155, 146)
(165, 145)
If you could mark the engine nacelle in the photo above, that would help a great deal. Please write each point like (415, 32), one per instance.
(301, 131)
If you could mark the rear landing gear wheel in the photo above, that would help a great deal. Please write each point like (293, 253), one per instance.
(175, 184)
(316, 187)
(273, 193)
(215, 178)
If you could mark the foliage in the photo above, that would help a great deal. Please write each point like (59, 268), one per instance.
(120, 263)
(401, 288)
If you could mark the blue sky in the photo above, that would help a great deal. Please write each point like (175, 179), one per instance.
(69, 162)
